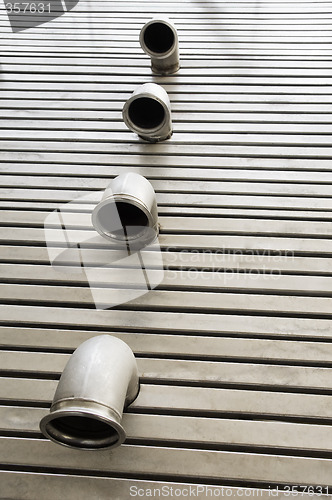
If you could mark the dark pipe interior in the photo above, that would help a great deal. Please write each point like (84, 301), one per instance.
(82, 432)
(132, 218)
(146, 113)
(158, 37)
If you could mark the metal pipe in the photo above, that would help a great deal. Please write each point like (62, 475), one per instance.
(159, 39)
(128, 211)
(148, 113)
(98, 382)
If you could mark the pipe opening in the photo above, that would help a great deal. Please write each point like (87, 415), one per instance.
(132, 218)
(158, 37)
(146, 113)
(82, 432)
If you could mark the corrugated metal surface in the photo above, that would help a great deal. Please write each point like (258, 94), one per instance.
(234, 346)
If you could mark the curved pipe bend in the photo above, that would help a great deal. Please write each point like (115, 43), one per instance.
(98, 382)
(127, 212)
(148, 113)
(159, 40)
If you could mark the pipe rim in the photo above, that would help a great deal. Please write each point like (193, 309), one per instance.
(130, 200)
(113, 434)
(147, 50)
(144, 131)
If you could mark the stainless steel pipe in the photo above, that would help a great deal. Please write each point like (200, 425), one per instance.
(98, 382)
(128, 211)
(159, 39)
(148, 113)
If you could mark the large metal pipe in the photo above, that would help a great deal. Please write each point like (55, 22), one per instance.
(159, 39)
(128, 211)
(148, 113)
(98, 382)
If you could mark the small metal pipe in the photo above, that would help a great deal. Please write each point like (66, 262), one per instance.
(98, 382)
(159, 39)
(148, 113)
(128, 211)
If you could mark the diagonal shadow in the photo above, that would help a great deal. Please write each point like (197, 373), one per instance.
(23, 15)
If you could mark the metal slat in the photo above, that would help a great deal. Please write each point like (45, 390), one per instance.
(177, 199)
(201, 432)
(19, 98)
(172, 280)
(172, 88)
(181, 186)
(135, 63)
(194, 73)
(181, 260)
(224, 212)
(83, 47)
(171, 161)
(163, 399)
(287, 140)
(170, 463)
(153, 172)
(197, 80)
(228, 244)
(167, 300)
(184, 371)
(195, 122)
(213, 128)
(175, 345)
(159, 321)
(248, 150)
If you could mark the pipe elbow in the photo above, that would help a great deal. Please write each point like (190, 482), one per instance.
(127, 212)
(148, 113)
(159, 40)
(99, 381)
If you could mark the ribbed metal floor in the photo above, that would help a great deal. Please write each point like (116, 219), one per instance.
(234, 346)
